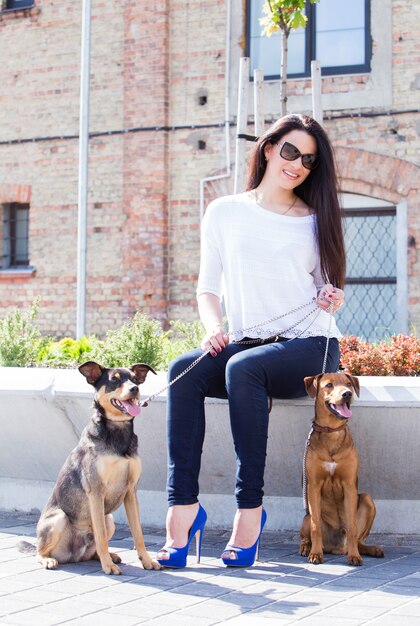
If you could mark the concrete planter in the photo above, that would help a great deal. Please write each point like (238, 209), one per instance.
(43, 412)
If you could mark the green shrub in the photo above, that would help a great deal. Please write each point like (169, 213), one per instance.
(20, 338)
(68, 352)
(139, 340)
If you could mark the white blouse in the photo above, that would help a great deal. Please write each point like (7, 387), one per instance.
(266, 268)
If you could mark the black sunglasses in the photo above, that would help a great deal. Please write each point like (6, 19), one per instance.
(289, 152)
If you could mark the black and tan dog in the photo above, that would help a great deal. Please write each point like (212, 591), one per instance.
(339, 518)
(99, 474)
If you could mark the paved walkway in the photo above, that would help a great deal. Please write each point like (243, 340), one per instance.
(282, 587)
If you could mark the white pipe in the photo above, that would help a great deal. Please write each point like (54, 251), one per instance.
(83, 171)
(317, 113)
(227, 174)
(402, 264)
(258, 102)
(241, 124)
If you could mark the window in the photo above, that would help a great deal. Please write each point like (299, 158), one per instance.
(374, 281)
(19, 4)
(337, 34)
(15, 236)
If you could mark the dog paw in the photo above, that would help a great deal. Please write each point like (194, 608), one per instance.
(378, 552)
(48, 562)
(354, 559)
(304, 549)
(149, 563)
(111, 569)
(115, 557)
(316, 558)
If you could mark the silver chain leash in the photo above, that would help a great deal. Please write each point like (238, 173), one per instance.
(275, 319)
(145, 402)
(315, 309)
(308, 440)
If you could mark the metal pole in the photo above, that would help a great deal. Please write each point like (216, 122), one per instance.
(316, 91)
(241, 124)
(258, 102)
(83, 170)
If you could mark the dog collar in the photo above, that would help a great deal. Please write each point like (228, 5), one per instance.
(326, 429)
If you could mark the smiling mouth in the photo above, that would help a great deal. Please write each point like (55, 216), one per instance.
(291, 174)
(342, 411)
(128, 407)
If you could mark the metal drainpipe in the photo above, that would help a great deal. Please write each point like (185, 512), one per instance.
(207, 179)
(83, 171)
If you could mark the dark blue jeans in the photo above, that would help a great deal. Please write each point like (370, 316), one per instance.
(245, 375)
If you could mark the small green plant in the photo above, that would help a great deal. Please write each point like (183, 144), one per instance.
(139, 340)
(68, 352)
(20, 337)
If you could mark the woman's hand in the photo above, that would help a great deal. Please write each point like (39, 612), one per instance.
(214, 341)
(329, 294)
(210, 310)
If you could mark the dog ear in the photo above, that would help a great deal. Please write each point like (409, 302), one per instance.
(311, 384)
(355, 382)
(141, 370)
(91, 371)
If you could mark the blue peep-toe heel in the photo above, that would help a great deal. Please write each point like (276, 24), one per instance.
(177, 557)
(244, 557)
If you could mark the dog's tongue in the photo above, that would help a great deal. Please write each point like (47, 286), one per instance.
(344, 410)
(132, 408)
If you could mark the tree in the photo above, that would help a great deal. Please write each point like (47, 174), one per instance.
(283, 15)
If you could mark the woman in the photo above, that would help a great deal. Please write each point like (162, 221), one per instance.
(275, 253)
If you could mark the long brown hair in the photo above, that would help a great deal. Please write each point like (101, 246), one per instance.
(318, 191)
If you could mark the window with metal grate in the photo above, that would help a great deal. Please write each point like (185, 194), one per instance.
(371, 282)
(15, 240)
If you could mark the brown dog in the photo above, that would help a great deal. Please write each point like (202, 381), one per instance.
(99, 474)
(339, 518)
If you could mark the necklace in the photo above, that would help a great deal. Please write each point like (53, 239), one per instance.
(284, 213)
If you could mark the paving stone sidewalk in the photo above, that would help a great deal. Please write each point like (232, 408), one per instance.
(282, 587)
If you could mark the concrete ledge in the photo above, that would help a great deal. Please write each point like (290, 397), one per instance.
(44, 411)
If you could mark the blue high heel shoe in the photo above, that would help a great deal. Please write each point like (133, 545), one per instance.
(177, 557)
(245, 557)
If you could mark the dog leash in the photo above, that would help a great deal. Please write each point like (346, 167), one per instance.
(308, 439)
(314, 309)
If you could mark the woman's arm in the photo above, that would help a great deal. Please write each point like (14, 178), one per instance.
(210, 311)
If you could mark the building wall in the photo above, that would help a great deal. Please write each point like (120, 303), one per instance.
(159, 91)
(127, 202)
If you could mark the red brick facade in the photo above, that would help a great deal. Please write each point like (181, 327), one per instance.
(150, 62)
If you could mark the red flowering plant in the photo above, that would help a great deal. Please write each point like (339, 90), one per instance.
(398, 356)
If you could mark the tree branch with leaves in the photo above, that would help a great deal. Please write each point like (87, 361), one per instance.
(283, 16)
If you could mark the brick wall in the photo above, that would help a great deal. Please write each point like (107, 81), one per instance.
(127, 203)
(149, 66)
